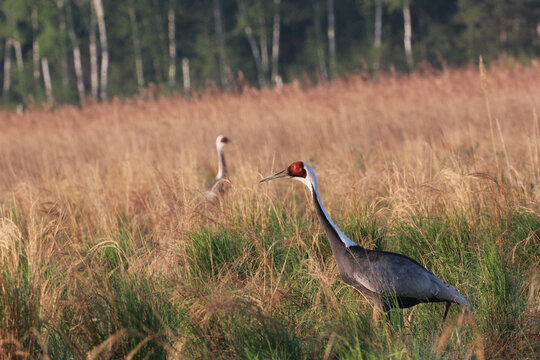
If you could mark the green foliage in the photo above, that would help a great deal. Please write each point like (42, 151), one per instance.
(131, 309)
(253, 335)
(19, 305)
(212, 253)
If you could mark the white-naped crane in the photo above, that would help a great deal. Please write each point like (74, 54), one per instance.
(384, 278)
(221, 183)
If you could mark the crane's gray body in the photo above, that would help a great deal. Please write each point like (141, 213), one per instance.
(386, 279)
(218, 187)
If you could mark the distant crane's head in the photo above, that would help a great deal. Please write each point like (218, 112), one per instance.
(221, 141)
(300, 171)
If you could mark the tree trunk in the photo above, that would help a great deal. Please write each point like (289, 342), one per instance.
(7, 68)
(331, 39)
(35, 45)
(156, 64)
(172, 43)
(92, 47)
(76, 54)
(407, 34)
(275, 42)
(19, 57)
(20, 63)
(223, 66)
(263, 40)
(319, 39)
(47, 80)
(253, 45)
(377, 34)
(187, 79)
(63, 54)
(137, 46)
(98, 6)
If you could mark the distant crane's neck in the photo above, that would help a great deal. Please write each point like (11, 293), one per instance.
(222, 166)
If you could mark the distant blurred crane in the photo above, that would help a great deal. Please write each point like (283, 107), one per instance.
(386, 279)
(222, 183)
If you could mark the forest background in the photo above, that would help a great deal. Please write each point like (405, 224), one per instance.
(70, 51)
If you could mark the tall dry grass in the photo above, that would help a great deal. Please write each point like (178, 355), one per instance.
(108, 249)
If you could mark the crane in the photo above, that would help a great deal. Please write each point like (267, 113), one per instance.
(385, 279)
(220, 184)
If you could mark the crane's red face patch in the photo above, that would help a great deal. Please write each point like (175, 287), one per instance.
(224, 139)
(297, 169)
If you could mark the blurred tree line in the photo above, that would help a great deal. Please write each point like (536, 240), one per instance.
(74, 50)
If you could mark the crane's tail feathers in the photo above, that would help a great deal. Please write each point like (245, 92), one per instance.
(460, 300)
(451, 294)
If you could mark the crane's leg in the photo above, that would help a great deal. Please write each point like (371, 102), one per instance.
(377, 314)
(377, 307)
(380, 316)
(446, 308)
(407, 320)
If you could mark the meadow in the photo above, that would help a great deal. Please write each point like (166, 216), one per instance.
(108, 249)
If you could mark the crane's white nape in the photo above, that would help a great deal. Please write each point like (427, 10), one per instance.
(310, 180)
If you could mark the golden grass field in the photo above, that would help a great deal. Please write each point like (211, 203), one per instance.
(104, 201)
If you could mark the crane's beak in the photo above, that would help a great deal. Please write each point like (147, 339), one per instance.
(282, 173)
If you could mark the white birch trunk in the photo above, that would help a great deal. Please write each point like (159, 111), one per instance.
(77, 63)
(331, 39)
(7, 68)
(19, 61)
(98, 6)
(19, 57)
(92, 47)
(223, 66)
(187, 79)
(275, 41)
(136, 46)
(47, 80)
(172, 43)
(407, 34)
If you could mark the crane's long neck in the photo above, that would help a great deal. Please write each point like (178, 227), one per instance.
(222, 167)
(337, 239)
